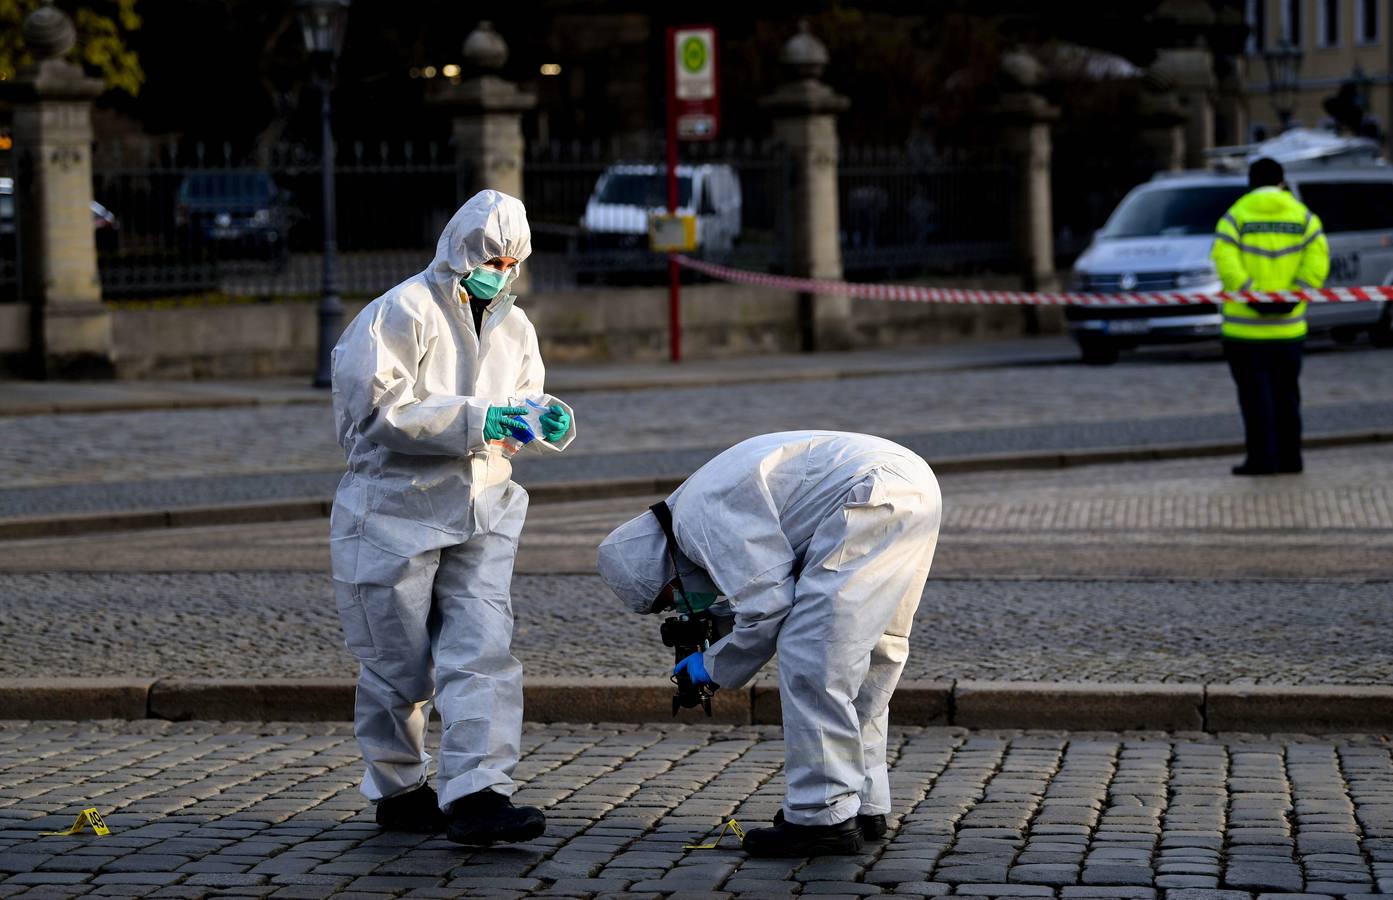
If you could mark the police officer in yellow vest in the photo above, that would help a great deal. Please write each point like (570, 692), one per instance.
(1268, 241)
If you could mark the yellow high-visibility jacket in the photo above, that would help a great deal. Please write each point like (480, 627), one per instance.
(1269, 241)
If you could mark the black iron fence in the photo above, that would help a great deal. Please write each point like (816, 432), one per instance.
(1087, 186)
(197, 219)
(904, 215)
(191, 219)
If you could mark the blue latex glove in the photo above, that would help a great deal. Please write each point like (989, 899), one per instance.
(501, 419)
(695, 667)
(555, 423)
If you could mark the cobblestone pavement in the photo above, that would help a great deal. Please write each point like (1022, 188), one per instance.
(998, 409)
(201, 810)
(1168, 571)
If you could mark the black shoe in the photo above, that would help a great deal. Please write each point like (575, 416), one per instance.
(417, 811)
(873, 828)
(488, 817)
(1294, 469)
(786, 839)
(1246, 469)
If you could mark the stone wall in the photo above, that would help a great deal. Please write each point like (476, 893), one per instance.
(256, 339)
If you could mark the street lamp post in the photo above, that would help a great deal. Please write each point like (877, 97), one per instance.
(1283, 78)
(323, 23)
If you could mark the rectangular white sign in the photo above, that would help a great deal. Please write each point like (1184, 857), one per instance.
(694, 57)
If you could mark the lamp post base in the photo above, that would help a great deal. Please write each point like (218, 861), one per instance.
(330, 324)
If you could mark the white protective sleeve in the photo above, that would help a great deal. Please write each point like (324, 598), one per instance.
(377, 376)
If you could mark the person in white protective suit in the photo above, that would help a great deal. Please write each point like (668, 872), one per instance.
(820, 543)
(427, 382)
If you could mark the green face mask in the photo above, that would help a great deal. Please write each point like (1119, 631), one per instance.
(696, 602)
(484, 283)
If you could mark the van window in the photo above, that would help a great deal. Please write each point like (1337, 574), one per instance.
(1171, 212)
(650, 190)
(1351, 205)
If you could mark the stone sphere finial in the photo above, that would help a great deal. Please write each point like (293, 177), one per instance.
(1021, 69)
(48, 32)
(485, 48)
(804, 53)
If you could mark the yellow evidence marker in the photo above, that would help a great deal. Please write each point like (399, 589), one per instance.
(88, 816)
(733, 826)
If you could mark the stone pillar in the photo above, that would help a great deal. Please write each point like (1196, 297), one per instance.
(1163, 125)
(52, 99)
(1228, 42)
(1025, 118)
(1186, 64)
(805, 123)
(1231, 105)
(487, 113)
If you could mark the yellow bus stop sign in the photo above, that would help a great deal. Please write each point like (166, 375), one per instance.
(669, 233)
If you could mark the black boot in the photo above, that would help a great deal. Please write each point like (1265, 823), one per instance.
(786, 839)
(487, 817)
(873, 828)
(416, 811)
(1249, 469)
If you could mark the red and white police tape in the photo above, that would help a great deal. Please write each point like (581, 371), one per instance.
(911, 293)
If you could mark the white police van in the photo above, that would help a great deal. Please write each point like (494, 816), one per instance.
(626, 194)
(1160, 236)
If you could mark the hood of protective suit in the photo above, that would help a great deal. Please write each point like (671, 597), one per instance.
(491, 224)
(634, 562)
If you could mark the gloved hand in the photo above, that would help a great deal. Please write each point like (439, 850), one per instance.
(501, 419)
(695, 667)
(555, 422)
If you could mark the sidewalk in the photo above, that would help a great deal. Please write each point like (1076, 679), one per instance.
(20, 398)
(199, 810)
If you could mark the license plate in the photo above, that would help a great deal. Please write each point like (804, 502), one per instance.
(1126, 326)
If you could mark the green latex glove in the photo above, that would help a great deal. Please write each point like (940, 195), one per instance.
(501, 419)
(555, 423)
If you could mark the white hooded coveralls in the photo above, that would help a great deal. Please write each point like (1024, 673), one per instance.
(426, 521)
(821, 542)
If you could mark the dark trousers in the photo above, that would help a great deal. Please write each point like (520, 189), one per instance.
(1269, 395)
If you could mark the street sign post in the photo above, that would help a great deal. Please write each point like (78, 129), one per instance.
(693, 114)
(695, 88)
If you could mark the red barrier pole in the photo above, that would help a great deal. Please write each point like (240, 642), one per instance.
(674, 290)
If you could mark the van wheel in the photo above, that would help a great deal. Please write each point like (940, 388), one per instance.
(1381, 335)
(1098, 352)
(1344, 334)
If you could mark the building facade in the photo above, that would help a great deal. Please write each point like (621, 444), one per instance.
(1340, 41)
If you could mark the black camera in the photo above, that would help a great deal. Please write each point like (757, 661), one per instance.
(688, 634)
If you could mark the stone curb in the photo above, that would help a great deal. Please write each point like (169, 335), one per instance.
(21, 528)
(1077, 706)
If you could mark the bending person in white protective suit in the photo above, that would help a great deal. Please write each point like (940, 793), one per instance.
(430, 385)
(821, 543)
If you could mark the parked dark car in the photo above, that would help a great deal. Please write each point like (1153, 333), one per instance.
(236, 212)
